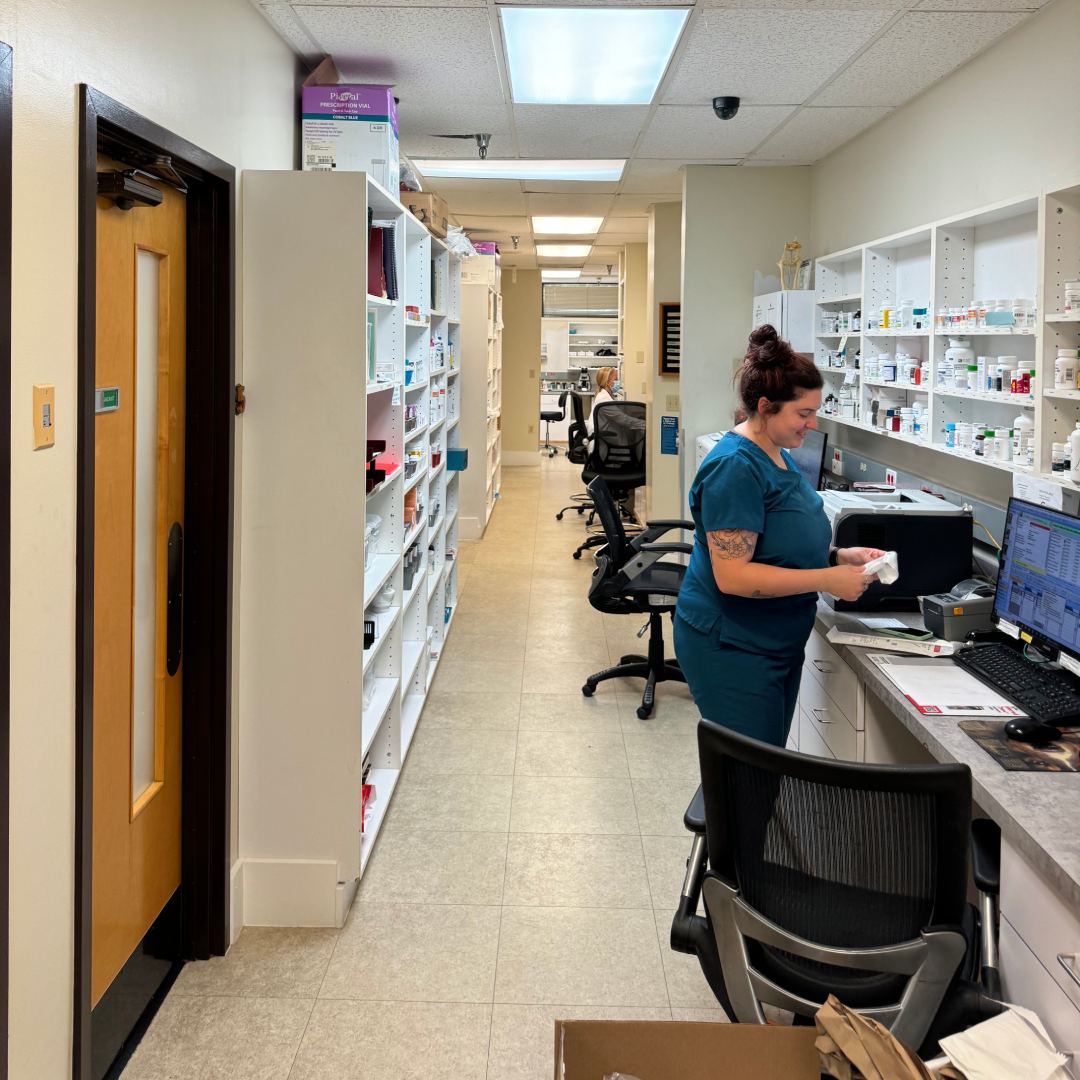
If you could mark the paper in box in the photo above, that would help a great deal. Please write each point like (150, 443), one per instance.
(351, 127)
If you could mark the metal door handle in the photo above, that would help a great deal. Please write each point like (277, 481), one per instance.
(823, 667)
(174, 611)
(819, 715)
(1066, 961)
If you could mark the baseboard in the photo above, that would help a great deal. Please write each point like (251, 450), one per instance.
(469, 528)
(236, 901)
(292, 892)
(516, 458)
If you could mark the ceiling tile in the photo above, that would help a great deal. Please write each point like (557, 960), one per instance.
(923, 47)
(981, 5)
(812, 133)
(768, 57)
(404, 3)
(419, 124)
(569, 187)
(811, 5)
(763, 163)
(639, 204)
(395, 45)
(491, 221)
(664, 174)
(581, 202)
(623, 227)
(482, 197)
(593, 131)
(693, 132)
(284, 21)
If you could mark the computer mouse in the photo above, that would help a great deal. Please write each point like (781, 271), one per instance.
(1024, 729)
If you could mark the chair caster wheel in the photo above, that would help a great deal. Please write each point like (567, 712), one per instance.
(577, 554)
(558, 516)
(643, 713)
(588, 690)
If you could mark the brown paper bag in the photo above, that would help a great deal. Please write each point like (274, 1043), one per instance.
(854, 1046)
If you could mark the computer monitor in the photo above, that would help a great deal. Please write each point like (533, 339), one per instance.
(810, 457)
(1038, 586)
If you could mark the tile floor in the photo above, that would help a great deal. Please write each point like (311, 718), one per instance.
(528, 868)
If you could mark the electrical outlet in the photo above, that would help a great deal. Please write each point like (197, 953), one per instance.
(673, 403)
(530, 429)
(890, 477)
(44, 399)
(838, 461)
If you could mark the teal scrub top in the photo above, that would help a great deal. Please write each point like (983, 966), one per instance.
(738, 486)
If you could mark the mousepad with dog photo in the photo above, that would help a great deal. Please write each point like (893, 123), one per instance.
(1061, 755)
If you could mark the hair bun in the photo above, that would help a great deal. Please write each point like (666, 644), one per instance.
(765, 350)
(763, 335)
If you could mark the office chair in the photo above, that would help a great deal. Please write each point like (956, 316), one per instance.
(577, 448)
(550, 416)
(616, 452)
(631, 579)
(830, 877)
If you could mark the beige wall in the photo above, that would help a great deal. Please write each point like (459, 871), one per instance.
(737, 221)
(663, 285)
(215, 73)
(910, 168)
(521, 366)
(635, 343)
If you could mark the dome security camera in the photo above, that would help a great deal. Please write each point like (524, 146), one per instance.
(726, 107)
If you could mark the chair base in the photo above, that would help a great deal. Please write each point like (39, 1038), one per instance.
(653, 668)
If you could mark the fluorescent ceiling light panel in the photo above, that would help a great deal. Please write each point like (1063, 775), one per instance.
(563, 251)
(609, 171)
(566, 226)
(588, 56)
(560, 275)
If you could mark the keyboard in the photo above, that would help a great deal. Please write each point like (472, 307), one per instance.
(1046, 694)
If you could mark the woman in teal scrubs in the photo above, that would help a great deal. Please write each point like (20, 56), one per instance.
(761, 553)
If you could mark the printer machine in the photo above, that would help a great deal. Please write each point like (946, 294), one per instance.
(931, 537)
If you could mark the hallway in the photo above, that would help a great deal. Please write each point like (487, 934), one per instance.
(528, 868)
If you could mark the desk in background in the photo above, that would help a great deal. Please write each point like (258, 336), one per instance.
(849, 710)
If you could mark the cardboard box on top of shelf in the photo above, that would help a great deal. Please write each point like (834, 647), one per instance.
(430, 208)
(676, 1050)
(349, 126)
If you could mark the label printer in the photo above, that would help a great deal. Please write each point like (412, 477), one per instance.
(932, 539)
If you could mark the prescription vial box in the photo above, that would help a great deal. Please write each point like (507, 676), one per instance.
(352, 127)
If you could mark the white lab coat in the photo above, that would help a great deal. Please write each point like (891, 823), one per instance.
(601, 397)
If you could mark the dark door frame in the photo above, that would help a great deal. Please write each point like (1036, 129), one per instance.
(107, 126)
(5, 533)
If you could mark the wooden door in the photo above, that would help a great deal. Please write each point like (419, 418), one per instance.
(138, 522)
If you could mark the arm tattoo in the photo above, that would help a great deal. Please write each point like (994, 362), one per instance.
(757, 594)
(732, 543)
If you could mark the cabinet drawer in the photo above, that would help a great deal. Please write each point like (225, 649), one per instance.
(1041, 918)
(826, 665)
(1026, 982)
(810, 740)
(828, 720)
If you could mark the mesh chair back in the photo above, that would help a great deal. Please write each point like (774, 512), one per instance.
(618, 547)
(618, 450)
(577, 448)
(842, 855)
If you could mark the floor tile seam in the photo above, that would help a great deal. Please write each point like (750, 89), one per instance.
(303, 1035)
(488, 1003)
(573, 776)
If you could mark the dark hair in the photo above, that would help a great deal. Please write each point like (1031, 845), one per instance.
(773, 369)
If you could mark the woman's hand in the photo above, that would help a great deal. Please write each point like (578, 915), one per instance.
(856, 556)
(846, 581)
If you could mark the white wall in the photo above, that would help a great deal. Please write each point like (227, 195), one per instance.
(214, 72)
(664, 286)
(736, 221)
(1015, 107)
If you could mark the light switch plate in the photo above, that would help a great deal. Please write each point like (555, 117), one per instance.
(673, 402)
(44, 415)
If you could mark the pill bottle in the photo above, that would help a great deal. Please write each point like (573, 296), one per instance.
(1003, 444)
(888, 369)
(1023, 428)
(973, 377)
(1057, 457)
(950, 435)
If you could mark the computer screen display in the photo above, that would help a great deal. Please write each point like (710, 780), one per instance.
(1038, 586)
(810, 457)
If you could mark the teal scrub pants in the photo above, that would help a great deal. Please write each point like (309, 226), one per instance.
(747, 692)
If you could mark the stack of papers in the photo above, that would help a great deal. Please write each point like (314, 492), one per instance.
(888, 633)
(938, 689)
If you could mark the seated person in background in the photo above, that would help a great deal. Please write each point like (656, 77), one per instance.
(607, 382)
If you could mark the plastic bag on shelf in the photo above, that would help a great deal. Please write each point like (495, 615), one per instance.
(408, 177)
(458, 242)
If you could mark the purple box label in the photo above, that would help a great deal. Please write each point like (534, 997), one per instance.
(350, 102)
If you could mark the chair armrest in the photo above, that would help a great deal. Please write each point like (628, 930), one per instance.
(986, 855)
(694, 818)
(667, 549)
(670, 523)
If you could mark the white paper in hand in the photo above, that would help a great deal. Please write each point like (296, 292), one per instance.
(885, 566)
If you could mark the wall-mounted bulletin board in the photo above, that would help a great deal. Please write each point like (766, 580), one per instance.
(670, 346)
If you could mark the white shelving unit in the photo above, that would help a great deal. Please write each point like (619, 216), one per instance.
(322, 715)
(480, 400)
(1026, 248)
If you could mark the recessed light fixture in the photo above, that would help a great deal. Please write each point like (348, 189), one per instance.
(563, 251)
(566, 226)
(560, 275)
(588, 56)
(507, 169)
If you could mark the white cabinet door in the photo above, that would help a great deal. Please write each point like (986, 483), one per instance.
(767, 309)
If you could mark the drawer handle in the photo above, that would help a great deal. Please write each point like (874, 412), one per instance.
(823, 666)
(1066, 960)
(819, 715)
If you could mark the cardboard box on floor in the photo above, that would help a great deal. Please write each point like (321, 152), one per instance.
(674, 1050)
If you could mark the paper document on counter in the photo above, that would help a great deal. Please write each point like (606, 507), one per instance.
(940, 688)
(888, 633)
